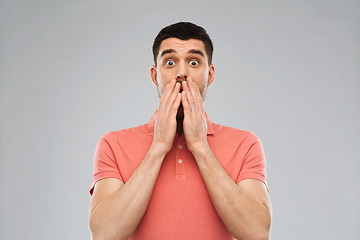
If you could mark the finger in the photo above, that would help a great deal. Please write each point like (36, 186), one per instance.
(166, 93)
(175, 106)
(174, 94)
(185, 103)
(196, 95)
(170, 105)
(195, 92)
(186, 88)
(173, 102)
(168, 89)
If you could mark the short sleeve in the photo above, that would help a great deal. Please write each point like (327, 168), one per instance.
(105, 165)
(254, 166)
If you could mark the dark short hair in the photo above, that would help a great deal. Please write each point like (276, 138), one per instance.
(184, 31)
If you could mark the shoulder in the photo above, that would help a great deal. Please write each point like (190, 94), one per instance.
(234, 134)
(126, 134)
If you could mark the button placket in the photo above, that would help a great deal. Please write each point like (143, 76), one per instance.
(179, 161)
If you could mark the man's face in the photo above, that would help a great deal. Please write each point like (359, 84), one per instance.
(180, 59)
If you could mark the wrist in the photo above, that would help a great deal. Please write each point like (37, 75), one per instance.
(158, 150)
(200, 149)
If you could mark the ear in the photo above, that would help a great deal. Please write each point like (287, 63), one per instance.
(211, 74)
(153, 73)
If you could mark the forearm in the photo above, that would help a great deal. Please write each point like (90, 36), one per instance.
(243, 215)
(117, 216)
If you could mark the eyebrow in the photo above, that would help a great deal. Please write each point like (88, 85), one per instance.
(167, 51)
(197, 52)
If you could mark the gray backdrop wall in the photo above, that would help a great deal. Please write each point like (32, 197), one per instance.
(73, 70)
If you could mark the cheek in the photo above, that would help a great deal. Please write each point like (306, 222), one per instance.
(201, 78)
(163, 76)
(206, 75)
(201, 73)
(161, 81)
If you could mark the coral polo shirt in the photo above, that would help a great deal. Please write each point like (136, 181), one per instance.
(180, 206)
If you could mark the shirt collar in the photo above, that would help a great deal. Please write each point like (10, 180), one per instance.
(151, 124)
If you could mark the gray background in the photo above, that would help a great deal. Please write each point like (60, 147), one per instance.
(73, 70)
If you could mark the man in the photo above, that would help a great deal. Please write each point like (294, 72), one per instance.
(180, 176)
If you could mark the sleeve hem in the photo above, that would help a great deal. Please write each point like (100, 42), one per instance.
(255, 176)
(101, 176)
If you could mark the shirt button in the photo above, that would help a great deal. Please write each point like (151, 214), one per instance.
(180, 146)
(180, 161)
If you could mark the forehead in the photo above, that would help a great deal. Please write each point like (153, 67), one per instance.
(181, 46)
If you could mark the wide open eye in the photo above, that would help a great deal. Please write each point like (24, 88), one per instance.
(169, 63)
(193, 63)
